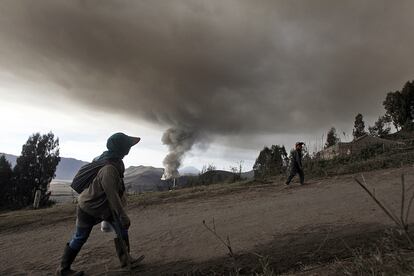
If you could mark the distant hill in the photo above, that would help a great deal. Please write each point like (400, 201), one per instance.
(189, 171)
(144, 179)
(11, 158)
(220, 176)
(66, 169)
(216, 176)
(248, 175)
(140, 179)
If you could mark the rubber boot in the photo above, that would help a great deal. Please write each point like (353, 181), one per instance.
(123, 256)
(68, 257)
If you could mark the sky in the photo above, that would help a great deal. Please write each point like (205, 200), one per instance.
(201, 82)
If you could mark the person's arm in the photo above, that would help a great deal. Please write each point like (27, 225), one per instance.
(110, 185)
(124, 200)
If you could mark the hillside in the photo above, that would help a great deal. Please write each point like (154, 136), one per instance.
(404, 135)
(144, 179)
(11, 158)
(189, 171)
(68, 167)
(140, 179)
(296, 228)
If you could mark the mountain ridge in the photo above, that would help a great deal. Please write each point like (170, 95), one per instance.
(66, 169)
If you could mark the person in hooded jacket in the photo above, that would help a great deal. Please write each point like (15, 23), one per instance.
(104, 196)
(296, 164)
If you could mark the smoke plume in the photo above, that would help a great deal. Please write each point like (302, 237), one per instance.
(179, 141)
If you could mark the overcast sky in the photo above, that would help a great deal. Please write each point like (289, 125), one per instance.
(234, 75)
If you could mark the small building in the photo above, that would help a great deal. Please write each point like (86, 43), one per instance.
(356, 146)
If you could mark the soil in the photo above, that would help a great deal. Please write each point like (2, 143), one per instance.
(296, 227)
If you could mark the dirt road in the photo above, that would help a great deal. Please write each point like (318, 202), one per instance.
(284, 223)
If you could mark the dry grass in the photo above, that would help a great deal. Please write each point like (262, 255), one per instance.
(15, 219)
(264, 269)
(390, 256)
(150, 198)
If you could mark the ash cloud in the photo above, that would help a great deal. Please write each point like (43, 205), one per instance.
(221, 68)
(179, 141)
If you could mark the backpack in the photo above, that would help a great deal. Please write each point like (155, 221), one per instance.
(86, 175)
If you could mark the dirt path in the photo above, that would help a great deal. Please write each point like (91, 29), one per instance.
(268, 219)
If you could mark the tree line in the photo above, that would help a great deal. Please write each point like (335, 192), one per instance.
(399, 111)
(34, 170)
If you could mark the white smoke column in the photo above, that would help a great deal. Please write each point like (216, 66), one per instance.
(179, 141)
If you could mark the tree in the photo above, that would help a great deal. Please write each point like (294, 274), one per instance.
(359, 127)
(6, 182)
(399, 106)
(271, 161)
(207, 168)
(236, 175)
(237, 171)
(381, 127)
(36, 167)
(332, 138)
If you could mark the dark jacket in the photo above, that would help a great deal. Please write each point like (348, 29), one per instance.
(106, 192)
(296, 161)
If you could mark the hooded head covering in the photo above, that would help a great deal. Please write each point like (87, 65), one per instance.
(299, 144)
(118, 146)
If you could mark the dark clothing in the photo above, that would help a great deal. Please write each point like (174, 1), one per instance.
(118, 146)
(103, 197)
(296, 167)
(82, 232)
(297, 159)
(292, 174)
(69, 255)
(106, 192)
(88, 172)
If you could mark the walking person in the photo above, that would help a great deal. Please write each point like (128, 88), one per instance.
(104, 197)
(296, 164)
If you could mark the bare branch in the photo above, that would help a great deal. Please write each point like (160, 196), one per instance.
(402, 200)
(386, 211)
(398, 222)
(225, 243)
(213, 231)
(410, 202)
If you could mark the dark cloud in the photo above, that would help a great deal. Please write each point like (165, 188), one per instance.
(216, 67)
